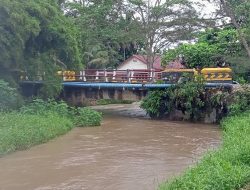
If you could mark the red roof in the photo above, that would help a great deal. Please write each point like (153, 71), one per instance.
(143, 58)
(175, 65)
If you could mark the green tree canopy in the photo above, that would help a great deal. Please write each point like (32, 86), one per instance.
(36, 37)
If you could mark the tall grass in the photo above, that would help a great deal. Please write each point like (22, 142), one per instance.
(39, 122)
(21, 131)
(227, 168)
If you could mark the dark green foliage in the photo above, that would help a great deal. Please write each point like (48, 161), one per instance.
(41, 107)
(157, 104)
(36, 38)
(39, 121)
(79, 116)
(9, 97)
(213, 48)
(196, 55)
(188, 97)
(227, 168)
(86, 117)
(19, 131)
(241, 101)
(107, 35)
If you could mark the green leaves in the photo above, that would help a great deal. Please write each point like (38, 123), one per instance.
(81, 117)
(86, 117)
(156, 103)
(187, 97)
(36, 37)
(9, 97)
(214, 48)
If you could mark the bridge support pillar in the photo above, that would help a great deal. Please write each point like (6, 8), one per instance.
(88, 96)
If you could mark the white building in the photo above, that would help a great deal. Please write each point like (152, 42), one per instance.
(139, 62)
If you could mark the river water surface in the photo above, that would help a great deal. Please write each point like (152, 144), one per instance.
(128, 152)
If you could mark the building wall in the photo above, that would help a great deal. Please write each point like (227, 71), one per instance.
(132, 64)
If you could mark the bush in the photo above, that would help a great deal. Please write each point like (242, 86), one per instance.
(157, 104)
(188, 97)
(241, 101)
(80, 116)
(39, 121)
(86, 117)
(41, 107)
(228, 167)
(9, 97)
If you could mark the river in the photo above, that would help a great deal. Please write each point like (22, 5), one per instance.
(128, 152)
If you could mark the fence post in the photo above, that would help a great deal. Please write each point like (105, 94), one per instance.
(152, 75)
(132, 75)
(105, 75)
(84, 76)
(114, 74)
(64, 74)
(97, 75)
(128, 76)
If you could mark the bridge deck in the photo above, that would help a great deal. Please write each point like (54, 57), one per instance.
(124, 85)
(135, 86)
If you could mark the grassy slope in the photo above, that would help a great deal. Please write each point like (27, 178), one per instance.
(227, 168)
(21, 131)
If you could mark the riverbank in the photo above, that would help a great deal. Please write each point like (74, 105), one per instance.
(131, 152)
(226, 168)
(39, 122)
(21, 131)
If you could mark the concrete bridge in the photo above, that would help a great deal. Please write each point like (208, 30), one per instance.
(104, 84)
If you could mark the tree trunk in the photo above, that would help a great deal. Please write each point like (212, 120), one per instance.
(230, 14)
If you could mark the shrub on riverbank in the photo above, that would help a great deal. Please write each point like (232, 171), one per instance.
(87, 117)
(188, 97)
(224, 169)
(40, 121)
(9, 97)
(81, 117)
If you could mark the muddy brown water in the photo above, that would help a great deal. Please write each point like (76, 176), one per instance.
(128, 152)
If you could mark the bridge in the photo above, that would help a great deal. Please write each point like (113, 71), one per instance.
(79, 87)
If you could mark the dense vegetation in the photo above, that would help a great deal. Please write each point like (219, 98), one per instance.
(226, 168)
(190, 97)
(214, 47)
(37, 121)
(37, 38)
(195, 101)
(9, 97)
(20, 131)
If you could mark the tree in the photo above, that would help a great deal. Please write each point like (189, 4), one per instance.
(238, 19)
(37, 38)
(163, 23)
(107, 32)
(213, 48)
(237, 14)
